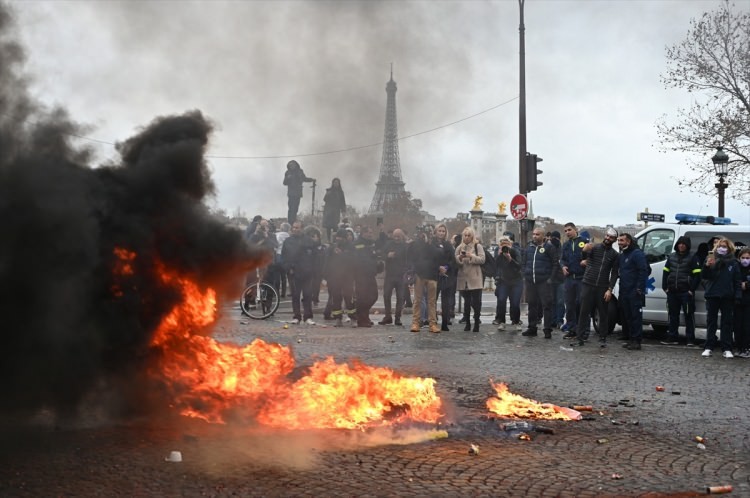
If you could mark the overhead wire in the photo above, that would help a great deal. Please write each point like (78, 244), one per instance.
(336, 151)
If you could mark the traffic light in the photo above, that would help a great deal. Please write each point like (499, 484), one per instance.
(532, 173)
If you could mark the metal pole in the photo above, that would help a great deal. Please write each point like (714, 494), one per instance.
(313, 199)
(522, 106)
(721, 186)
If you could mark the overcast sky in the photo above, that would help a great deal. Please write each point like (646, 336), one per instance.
(293, 79)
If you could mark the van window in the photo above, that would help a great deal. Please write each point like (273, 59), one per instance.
(657, 244)
(699, 240)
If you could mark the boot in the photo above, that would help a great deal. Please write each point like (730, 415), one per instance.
(415, 326)
(387, 320)
(476, 325)
(398, 321)
(444, 325)
(434, 328)
(632, 345)
(338, 322)
(467, 323)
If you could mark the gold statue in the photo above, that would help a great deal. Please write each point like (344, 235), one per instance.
(477, 204)
(501, 208)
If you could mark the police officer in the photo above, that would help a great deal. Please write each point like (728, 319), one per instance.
(366, 268)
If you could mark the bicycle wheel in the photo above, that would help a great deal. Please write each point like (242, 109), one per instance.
(259, 301)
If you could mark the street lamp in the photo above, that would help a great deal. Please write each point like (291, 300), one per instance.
(721, 167)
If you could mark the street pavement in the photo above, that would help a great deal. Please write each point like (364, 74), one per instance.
(638, 441)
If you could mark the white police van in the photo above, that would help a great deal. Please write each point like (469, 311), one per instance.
(657, 242)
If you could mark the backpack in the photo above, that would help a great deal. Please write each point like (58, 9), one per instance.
(489, 266)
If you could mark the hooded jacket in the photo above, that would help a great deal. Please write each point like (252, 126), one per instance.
(682, 271)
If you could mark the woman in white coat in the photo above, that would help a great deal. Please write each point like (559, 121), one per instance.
(470, 257)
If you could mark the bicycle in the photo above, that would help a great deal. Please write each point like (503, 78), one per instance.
(259, 300)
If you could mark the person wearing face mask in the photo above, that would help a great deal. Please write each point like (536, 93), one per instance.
(742, 308)
(602, 269)
(721, 273)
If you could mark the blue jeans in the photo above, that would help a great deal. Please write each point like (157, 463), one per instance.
(681, 302)
(512, 290)
(714, 305)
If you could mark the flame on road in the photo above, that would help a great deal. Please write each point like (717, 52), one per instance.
(211, 380)
(507, 404)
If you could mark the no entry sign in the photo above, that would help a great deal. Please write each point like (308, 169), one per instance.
(519, 207)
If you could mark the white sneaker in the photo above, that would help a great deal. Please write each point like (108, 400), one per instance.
(346, 319)
(706, 353)
(727, 354)
(295, 321)
(500, 326)
(309, 321)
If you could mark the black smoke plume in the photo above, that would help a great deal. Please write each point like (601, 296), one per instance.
(65, 331)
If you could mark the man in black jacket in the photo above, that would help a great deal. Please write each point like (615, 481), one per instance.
(680, 280)
(394, 253)
(366, 268)
(298, 257)
(539, 268)
(508, 283)
(294, 177)
(602, 267)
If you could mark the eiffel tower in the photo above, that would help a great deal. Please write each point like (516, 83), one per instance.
(390, 187)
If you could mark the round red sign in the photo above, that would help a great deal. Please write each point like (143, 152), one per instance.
(519, 207)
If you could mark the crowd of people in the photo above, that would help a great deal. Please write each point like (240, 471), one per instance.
(563, 281)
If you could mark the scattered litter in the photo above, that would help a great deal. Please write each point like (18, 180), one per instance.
(286, 325)
(563, 348)
(660, 388)
(526, 427)
(700, 439)
(473, 449)
(616, 476)
(583, 408)
(460, 390)
(588, 418)
(701, 446)
(174, 456)
(602, 440)
(676, 393)
(635, 422)
(243, 322)
(615, 422)
(718, 490)
(524, 437)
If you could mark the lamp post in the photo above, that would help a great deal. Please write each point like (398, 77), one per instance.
(721, 167)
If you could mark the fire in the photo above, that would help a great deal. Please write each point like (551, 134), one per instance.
(209, 380)
(349, 397)
(507, 404)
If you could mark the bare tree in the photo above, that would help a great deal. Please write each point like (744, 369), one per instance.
(713, 63)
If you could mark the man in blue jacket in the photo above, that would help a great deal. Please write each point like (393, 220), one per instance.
(634, 271)
(540, 263)
(570, 261)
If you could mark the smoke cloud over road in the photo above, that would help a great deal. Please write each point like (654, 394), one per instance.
(67, 326)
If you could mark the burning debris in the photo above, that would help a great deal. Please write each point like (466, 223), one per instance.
(507, 404)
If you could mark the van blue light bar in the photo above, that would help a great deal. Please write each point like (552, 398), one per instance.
(697, 218)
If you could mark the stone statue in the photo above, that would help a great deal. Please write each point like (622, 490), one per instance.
(477, 204)
(501, 208)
